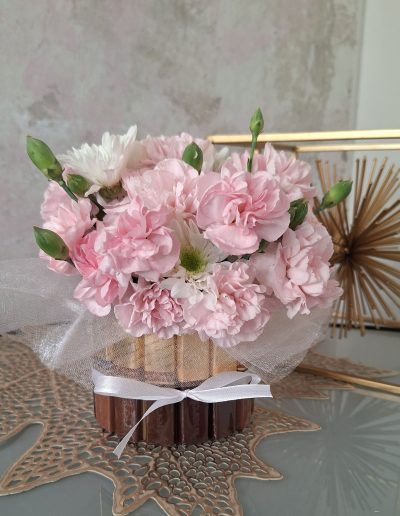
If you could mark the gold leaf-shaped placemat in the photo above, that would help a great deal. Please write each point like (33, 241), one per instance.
(308, 386)
(343, 365)
(178, 478)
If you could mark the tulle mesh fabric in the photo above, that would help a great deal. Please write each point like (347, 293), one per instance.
(38, 306)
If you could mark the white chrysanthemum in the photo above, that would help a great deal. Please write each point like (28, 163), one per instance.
(104, 164)
(191, 278)
(191, 287)
(219, 158)
(191, 239)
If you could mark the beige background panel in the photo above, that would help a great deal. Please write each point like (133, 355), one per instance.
(72, 70)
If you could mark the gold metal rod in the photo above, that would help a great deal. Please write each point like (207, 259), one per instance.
(242, 139)
(281, 146)
(347, 147)
(354, 380)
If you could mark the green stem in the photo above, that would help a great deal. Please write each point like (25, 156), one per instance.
(67, 190)
(101, 213)
(252, 150)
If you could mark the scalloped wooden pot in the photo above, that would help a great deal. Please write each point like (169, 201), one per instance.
(179, 363)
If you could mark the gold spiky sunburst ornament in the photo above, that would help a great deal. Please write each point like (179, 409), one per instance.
(366, 245)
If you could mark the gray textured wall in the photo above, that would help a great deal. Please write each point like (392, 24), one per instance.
(71, 69)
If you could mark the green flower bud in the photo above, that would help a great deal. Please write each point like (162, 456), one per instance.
(43, 157)
(297, 211)
(336, 194)
(78, 184)
(193, 156)
(256, 126)
(111, 192)
(257, 123)
(51, 243)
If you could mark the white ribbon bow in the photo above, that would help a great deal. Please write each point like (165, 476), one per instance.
(226, 386)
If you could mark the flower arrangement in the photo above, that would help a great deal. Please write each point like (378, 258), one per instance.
(177, 238)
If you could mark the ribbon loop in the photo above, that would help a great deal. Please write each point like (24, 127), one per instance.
(228, 386)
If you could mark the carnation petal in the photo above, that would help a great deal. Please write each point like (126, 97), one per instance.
(233, 239)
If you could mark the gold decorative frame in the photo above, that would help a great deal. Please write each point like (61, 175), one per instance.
(306, 142)
(328, 141)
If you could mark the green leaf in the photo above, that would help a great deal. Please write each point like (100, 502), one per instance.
(78, 184)
(263, 245)
(193, 156)
(44, 159)
(51, 243)
(297, 211)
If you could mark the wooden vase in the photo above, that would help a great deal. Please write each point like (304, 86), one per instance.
(179, 362)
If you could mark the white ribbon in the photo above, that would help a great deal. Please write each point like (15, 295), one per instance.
(226, 386)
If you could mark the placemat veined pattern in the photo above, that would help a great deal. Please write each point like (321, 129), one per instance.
(179, 479)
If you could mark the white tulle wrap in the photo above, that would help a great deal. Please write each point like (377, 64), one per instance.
(39, 307)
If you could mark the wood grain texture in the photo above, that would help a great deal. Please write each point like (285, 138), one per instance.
(187, 422)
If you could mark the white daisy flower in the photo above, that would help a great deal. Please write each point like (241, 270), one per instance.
(196, 250)
(219, 159)
(191, 278)
(103, 165)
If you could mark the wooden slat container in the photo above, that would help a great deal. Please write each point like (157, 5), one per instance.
(179, 362)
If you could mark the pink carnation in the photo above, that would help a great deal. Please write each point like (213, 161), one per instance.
(150, 309)
(158, 149)
(237, 208)
(172, 184)
(295, 175)
(69, 219)
(98, 289)
(297, 269)
(233, 310)
(60, 266)
(134, 240)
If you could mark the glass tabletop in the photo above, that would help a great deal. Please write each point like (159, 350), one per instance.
(377, 348)
(350, 467)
